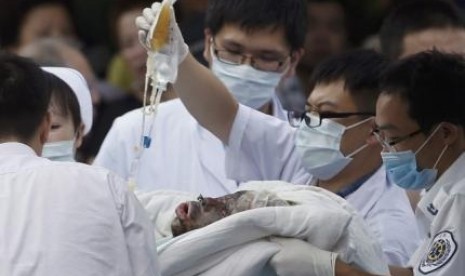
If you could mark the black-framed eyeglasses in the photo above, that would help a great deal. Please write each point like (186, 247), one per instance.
(389, 145)
(237, 58)
(313, 118)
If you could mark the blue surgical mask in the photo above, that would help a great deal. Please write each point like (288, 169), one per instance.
(59, 151)
(319, 148)
(250, 87)
(401, 168)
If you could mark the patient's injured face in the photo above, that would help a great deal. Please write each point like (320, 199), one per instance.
(206, 210)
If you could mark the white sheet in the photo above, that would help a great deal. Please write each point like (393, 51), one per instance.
(238, 244)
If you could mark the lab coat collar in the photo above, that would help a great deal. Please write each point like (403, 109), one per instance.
(368, 194)
(432, 199)
(16, 148)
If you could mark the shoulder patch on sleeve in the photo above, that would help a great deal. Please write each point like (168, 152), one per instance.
(440, 252)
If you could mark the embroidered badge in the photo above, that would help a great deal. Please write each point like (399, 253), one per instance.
(441, 250)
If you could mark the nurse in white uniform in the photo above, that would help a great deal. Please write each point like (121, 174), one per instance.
(71, 114)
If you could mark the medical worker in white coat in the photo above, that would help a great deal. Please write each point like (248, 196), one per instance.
(183, 155)
(71, 114)
(420, 121)
(334, 142)
(60, 218)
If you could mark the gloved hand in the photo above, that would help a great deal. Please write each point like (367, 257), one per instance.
(298, 257)
(176, 48)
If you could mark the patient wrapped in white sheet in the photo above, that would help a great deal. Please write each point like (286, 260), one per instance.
(233, 234)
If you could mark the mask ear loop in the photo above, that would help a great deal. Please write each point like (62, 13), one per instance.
(427, 140)
(357, 151)
(440, 156)
(365, 145)
(359, 123)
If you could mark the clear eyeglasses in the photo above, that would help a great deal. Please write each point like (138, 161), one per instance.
(272, 64)
(313, 118)
(388, 144)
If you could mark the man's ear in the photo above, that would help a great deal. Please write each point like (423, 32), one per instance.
(79, 136)
(207, 45)
(450, 133)
(296, 55)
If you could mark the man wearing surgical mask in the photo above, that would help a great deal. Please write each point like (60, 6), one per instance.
(71, 113)
(420, 123)
(250, 53)
(333, 143)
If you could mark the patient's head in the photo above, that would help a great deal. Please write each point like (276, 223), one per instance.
(206, 210)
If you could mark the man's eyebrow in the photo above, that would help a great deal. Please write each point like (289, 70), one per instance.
(308, 105)
(236, 45)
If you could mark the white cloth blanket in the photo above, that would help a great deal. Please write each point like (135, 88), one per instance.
(240, 245)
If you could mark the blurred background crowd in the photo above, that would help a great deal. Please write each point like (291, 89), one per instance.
(99, 39)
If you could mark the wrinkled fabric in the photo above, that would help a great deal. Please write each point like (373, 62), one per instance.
(239, 245)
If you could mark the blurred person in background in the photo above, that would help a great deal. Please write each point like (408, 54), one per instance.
(25, 21)
(327, 35)
(422, 25)
(128, 67)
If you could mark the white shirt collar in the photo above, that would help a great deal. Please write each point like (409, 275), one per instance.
(446, 181)
(16, 148)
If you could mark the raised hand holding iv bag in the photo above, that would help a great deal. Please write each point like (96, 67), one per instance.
(162, 68)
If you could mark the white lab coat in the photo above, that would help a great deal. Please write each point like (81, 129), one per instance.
(440, 215)
(262, 148)
(63, 218)
(183, 155)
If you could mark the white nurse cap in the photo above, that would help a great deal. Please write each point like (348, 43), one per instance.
(78, 84)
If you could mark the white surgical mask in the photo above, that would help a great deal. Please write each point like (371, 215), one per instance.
(59, 151)
(250, 87)
(319, 148)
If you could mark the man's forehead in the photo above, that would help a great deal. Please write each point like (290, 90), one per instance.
(332, 95)
(391, 112)
(449, 40)
(269, 38)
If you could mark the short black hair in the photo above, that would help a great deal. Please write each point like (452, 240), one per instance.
(416, 16)
(13, 14)
(432, 83)
(361, 71)
(64, 99)
(24, 97)
(251, 15)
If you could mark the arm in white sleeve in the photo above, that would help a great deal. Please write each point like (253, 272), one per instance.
(262, 147)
